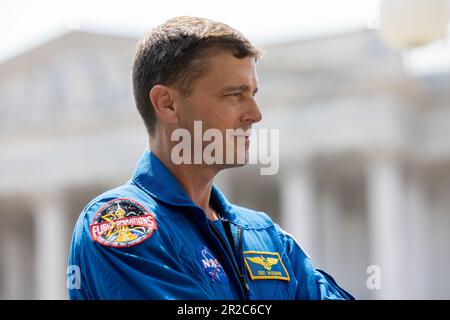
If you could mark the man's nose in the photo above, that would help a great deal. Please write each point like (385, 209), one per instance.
(253, 112)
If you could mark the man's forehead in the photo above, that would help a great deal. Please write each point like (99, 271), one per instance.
(225, 70)
(227, 63)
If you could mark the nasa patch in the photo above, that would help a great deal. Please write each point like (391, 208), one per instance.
(122, 223)
(211, 265)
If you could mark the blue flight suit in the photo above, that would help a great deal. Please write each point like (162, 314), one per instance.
(148, 240)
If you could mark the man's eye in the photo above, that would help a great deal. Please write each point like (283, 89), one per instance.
(234, 94)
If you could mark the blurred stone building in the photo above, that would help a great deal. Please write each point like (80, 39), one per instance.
(364, 174)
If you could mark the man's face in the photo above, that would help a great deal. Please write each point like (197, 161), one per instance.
(224, 98)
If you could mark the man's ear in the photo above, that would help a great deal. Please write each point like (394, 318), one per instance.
(162, 99)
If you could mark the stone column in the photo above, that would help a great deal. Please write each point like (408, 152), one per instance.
(387, 230)
(51, 234)
(417, 272)
(13, 249)
(297, 204)
(331, 226)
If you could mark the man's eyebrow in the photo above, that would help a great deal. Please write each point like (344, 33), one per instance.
(240, 88)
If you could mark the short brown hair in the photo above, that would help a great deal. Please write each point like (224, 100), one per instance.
(174, 54)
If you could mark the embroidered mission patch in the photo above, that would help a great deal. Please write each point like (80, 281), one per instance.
(122, 223)
(211, 265)
(265, 266)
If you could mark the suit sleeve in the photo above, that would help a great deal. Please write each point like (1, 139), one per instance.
(313, 283)
(149, 270)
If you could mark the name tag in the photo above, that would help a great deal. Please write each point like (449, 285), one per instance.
(265, 266)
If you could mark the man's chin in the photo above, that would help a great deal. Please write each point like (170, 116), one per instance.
(237, 162)
(234, 165)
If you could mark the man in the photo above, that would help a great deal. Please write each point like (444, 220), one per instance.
(169, 233)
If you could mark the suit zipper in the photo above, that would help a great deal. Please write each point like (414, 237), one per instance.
(240, 256)
(243, 284)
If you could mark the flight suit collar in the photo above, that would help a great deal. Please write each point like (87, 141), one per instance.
(154, 177)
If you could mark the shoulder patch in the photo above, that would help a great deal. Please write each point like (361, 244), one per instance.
(122, 223)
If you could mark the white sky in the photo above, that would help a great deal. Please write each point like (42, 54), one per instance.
(27, 23)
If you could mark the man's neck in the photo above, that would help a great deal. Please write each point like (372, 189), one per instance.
(196, 180)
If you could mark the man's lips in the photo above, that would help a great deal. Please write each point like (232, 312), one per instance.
(245, 137)
(246, 133)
